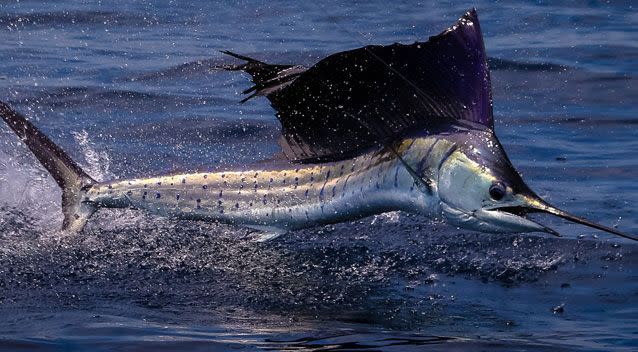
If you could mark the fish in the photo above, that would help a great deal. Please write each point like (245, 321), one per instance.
(400, 127)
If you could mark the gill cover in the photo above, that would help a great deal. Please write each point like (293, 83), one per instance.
(480, 189)
(467, 177)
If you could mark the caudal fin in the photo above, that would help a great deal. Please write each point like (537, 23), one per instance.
(73, 181)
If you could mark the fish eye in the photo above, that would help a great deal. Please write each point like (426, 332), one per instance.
(498, 190)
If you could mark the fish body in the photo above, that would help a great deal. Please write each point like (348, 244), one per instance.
(291, 196)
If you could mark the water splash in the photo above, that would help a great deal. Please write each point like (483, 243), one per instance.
(391, 217)
(98, 162)
(25, 186)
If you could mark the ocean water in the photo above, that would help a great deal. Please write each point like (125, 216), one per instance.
(132, 89)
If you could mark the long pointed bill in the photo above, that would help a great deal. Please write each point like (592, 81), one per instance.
(542, 206)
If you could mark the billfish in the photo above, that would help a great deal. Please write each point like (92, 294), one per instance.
(366, 131)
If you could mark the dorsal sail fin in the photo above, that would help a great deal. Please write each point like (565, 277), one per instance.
(267, 77)
(356, 99)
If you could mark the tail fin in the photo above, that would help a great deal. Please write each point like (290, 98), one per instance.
(73, 181)
(267, 78)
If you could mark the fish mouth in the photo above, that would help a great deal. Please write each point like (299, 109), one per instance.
(517, 210)
(513, 218)
(537, 205)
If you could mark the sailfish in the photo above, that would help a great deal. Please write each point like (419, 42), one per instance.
(400, 127)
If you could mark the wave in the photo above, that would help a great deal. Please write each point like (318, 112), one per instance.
(215, 64)
(511, 65)
(567, 120)
(79, 97)
(75, 18)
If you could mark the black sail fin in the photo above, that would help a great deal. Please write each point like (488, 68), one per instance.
(353, 100)
(267, 78)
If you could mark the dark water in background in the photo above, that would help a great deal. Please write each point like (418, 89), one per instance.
(130, 90)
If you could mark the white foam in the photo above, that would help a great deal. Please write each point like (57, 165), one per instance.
(98, 163)
(25, 185)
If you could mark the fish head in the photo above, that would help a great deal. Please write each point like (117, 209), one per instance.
(480, 189)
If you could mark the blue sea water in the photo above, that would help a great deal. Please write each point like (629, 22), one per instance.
(131, 89)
